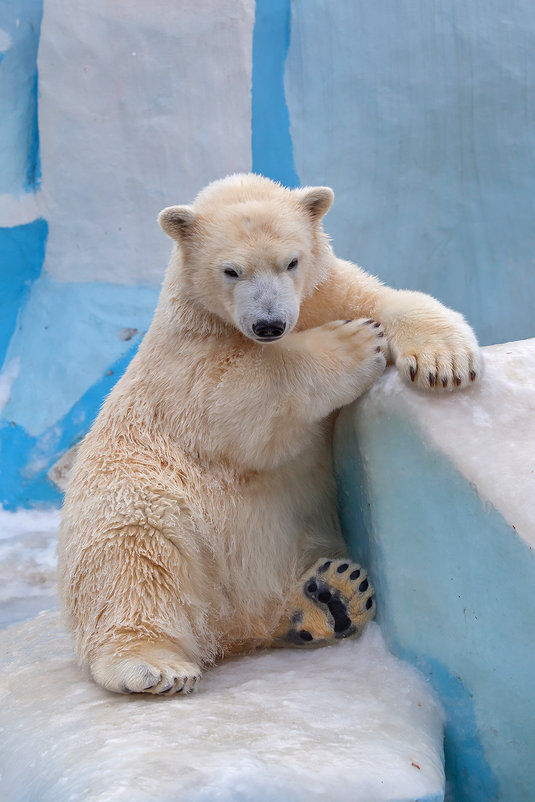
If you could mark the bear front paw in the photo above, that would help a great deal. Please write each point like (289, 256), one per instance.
(358, 348)
(356, 341)
(440, 370)
(439, 354)
(145, 668)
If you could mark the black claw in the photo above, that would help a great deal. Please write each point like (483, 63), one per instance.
(380, 334)
(342, 568)
(412, 371)
(363, 585)
(346, 633)
(355, 574)
(376, 324)
(369, 603)
(444, 382)
(305, 635)
(432, 379)
(347, 321)
(377, 349)
(472, 375)
(457, 381)
(324, 567)
(367, 322)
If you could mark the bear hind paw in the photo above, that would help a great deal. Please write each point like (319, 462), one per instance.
(334, 602)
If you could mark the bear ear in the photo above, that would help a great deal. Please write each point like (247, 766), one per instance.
(316, 200)
(177, 221)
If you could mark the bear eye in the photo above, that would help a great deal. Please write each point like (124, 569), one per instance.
(293, 264)
(230, 272)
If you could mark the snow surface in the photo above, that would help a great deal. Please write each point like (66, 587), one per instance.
(27, 563)
(348, 722)
(487, 431)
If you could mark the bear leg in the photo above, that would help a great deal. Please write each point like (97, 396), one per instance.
(333, 601)
(127, 597)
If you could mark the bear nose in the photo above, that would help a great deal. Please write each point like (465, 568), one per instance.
(268, 329)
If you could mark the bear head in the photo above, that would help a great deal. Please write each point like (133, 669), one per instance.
(249, 251)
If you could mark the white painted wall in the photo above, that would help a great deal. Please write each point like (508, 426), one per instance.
(140, 105)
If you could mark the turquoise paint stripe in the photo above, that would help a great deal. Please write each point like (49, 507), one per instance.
(19, 134)
(22, 251)
(25, 460)
(272, 150)
(468, 774)
(33, 170)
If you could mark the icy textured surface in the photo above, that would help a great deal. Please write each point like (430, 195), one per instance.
(280, 725)
(27, 563)
(488, 431)
(437, 497)
(348, 722)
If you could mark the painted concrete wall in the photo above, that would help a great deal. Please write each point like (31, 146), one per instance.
(437, 498)
(139, 106)
(419, 115)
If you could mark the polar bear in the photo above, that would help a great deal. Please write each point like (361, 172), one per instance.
(200, 519)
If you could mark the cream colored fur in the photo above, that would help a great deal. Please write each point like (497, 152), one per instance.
(204, 489)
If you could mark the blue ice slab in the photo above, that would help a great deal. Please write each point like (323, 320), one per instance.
(454, 585)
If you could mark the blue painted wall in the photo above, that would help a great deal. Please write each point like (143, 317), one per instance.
(271, 142)
(19, 137)
(21, 247)
(419, 115)
(22, 250)
(454, 594)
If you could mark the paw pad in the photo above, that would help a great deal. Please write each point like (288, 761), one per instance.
(335, 602)
(345, 601)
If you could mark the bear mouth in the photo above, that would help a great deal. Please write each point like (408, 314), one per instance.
(272, 339)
